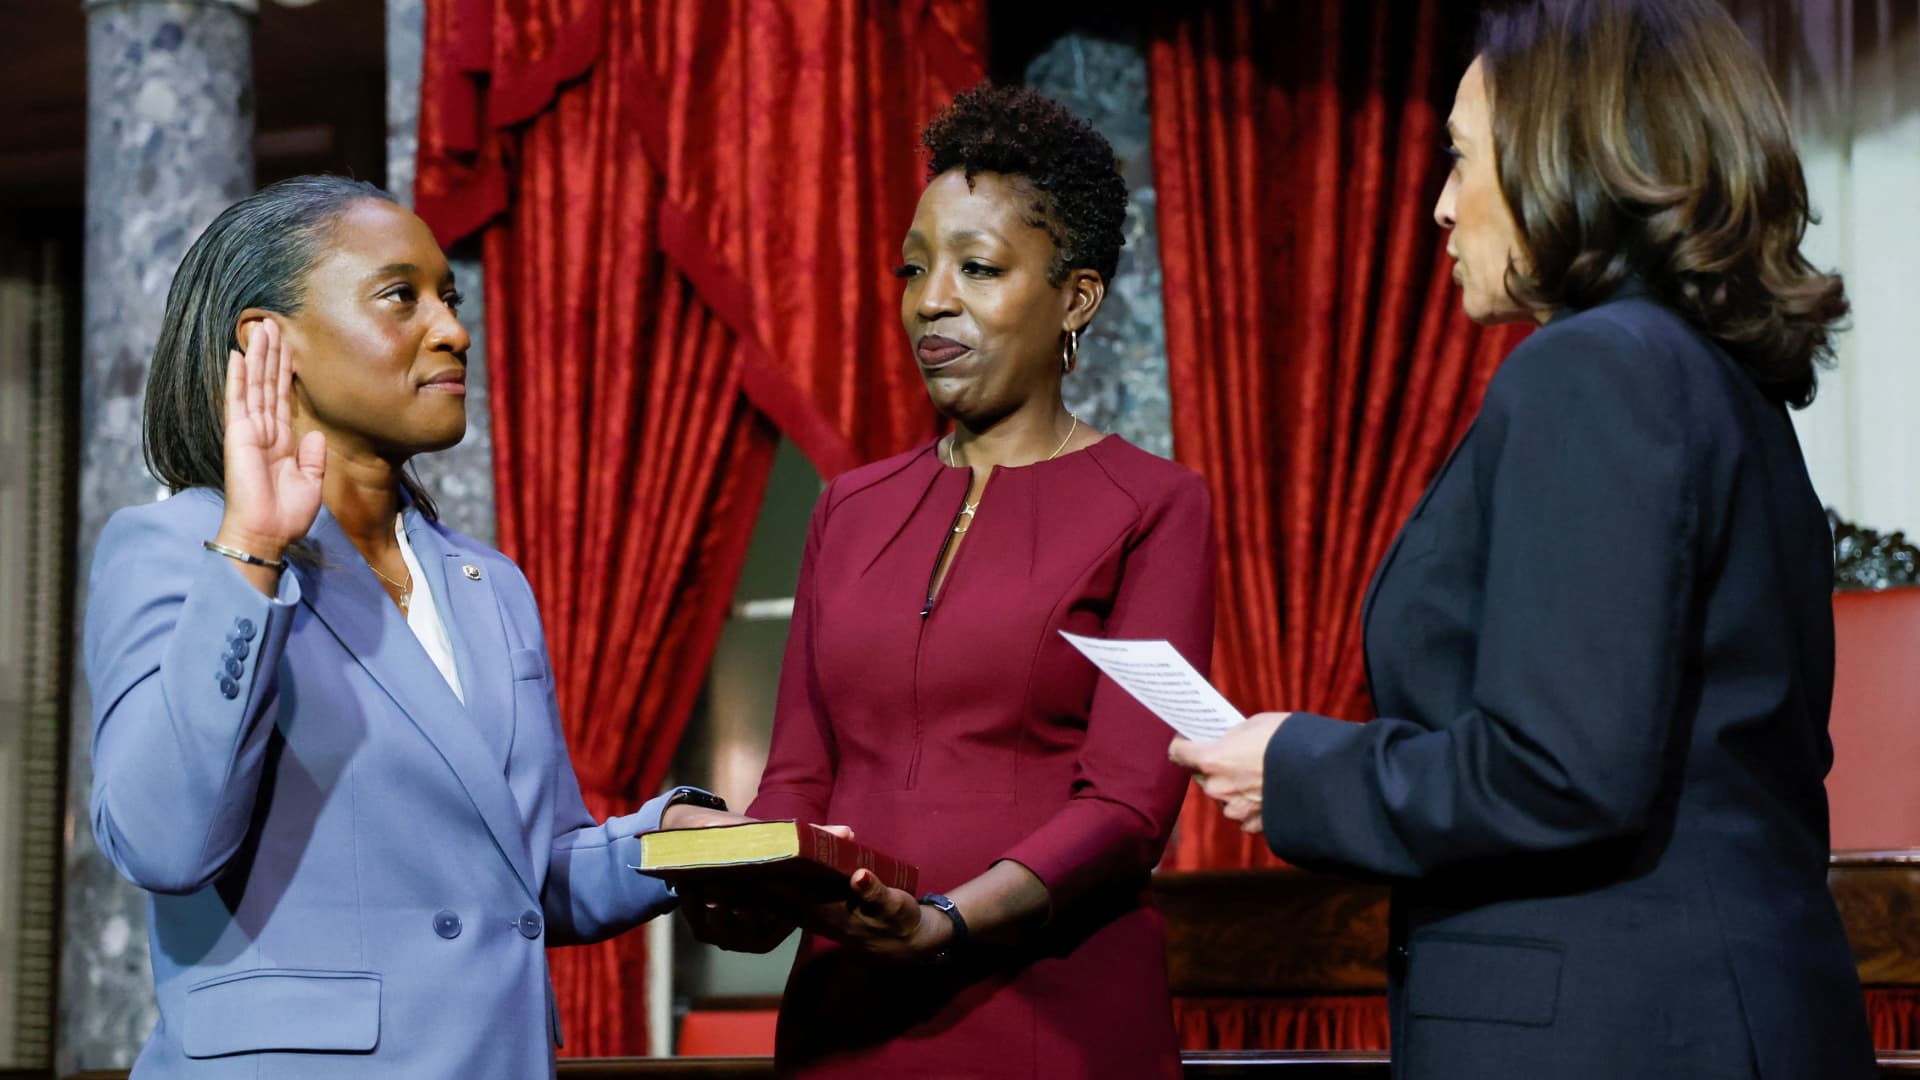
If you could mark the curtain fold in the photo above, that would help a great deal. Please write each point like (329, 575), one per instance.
(1320, 365)
(1893, 1012)
(786, 135)
(687, 209)
(629, 472)
(1321, 1022)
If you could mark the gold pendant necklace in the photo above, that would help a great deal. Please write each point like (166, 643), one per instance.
(406, 591)
(964, 519)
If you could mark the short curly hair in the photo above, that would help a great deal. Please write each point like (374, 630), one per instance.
(1016, 132)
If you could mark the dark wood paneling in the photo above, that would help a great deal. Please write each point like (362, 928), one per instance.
(1879, 898)
(1272, 932)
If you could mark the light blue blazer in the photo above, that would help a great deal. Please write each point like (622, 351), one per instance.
(351, 874)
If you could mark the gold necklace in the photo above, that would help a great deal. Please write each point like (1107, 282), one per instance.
(964, 520)
(406, 591)
(1071, 428)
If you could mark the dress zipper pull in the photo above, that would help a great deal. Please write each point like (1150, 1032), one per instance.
(933, 579)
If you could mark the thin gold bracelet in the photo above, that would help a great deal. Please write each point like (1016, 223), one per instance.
(240, 556)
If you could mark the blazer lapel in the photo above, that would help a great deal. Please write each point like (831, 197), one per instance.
(479, 634)
(343, 593)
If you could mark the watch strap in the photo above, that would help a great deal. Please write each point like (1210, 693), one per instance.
(693, 796)
(952, 911)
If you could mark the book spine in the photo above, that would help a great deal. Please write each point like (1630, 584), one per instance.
(846, 856)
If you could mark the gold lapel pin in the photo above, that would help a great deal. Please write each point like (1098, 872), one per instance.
(472, 572)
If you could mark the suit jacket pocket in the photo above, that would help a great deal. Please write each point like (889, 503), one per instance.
(527, 664)
(282, 1009)
(1473, 977)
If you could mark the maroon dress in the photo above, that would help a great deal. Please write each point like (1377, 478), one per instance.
(967, 731)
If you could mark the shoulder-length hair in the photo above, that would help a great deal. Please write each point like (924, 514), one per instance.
(256, 254)
(1644, 139)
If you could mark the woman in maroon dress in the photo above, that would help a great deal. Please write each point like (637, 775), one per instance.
(927, 699)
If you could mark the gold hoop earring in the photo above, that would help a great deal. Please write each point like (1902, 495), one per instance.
(1070, 352)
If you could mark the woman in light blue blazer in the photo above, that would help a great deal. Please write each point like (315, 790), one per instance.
(325, 737)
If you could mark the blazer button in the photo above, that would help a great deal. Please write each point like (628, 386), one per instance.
(237, 647)
(244, 627)
(228, 688)
(233, 667)
(529, 924)
(446, 924)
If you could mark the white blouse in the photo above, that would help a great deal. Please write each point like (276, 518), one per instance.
(423, 615)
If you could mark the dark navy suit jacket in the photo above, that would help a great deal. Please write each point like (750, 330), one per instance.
(1601, 651)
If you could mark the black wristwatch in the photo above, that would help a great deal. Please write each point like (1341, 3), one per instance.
(693, 796)
(952, 912)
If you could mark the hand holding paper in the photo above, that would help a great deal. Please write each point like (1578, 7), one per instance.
(1160, 678)
(1232, 770)
(1225, 751)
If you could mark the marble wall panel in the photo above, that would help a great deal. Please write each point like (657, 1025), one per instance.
(169, 144)
(1121, 382)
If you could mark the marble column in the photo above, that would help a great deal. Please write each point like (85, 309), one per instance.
(461, 479)
(169, 144)
(1121, 383)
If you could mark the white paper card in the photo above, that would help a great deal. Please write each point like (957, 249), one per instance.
(1160, 678)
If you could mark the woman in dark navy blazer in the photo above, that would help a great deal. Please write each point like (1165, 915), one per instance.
(1602, 647)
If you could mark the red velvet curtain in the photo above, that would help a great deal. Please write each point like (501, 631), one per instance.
(1317, 1022)
(1894, 1013)
(688, 208)
(1321, 368)
(1320, 365)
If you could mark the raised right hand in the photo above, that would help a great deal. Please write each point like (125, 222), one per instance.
(272, 485)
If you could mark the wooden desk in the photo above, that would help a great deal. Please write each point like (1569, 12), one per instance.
(1878, 893)
(1274, 933)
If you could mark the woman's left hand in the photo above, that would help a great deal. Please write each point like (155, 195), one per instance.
(883, 921)
(1232, 769)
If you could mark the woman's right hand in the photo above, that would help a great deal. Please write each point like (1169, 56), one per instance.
(272, 485)
(734, 920)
